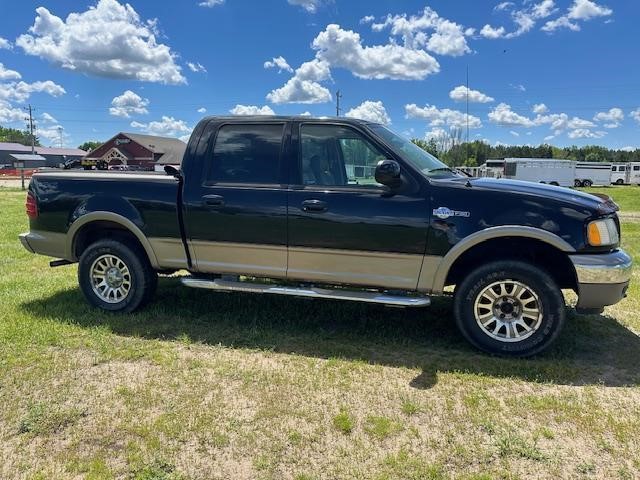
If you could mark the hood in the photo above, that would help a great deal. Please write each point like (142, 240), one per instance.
(601, 204)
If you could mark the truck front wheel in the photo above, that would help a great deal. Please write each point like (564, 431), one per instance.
(115, 276)
(509, 308)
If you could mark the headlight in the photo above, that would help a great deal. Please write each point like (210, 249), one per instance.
(602, 232)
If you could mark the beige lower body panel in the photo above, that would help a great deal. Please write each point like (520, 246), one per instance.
(347, 267)
(430, 266)
(169, 252)
(381, 269)
(240, 258)
(51, 244)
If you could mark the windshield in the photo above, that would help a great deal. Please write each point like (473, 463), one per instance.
(419, 158)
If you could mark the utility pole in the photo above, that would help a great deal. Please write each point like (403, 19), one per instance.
(338, 97)
(31, 128)
(467, 142)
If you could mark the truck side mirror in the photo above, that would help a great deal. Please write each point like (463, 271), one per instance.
(388, 173)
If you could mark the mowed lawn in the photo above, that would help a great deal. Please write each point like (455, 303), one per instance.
(205, 385)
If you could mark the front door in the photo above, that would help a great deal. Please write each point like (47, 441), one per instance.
(345, 228)
(236, 219)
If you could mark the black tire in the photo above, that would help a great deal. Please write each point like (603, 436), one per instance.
(555, 184)
(587, 183)
(577, 183)
(140, 277)
(546, 296)
(619, 181)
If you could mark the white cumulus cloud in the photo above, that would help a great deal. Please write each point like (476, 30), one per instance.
(251, 110)
(107, 40)
(524, 18)
(580, 10)
(303, 87)
(127, 104)
(343, 48)
(492, 32)
(21, 91)
(9, 113)
(427, 30)
(588, 9)
(540, 108)
(6, 74)
(461, 93)
(310, 6)
(278, 62)
(48, 118)
(210, 3)
(503, 115)
(371, 111)
(585, 133)
(635, 114)
(196, 67)
(440, 117)
(6, 44)
(613, 118)
(201, 110)
(165, 127)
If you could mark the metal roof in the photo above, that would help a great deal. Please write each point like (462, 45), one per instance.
(27, 156)
(157, 144)
(18, 147)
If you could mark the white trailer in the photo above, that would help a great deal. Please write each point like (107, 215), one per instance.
(493, 168)
(619, 173)
(633, 173)
(626, 173)
(592, 173)
(541, 170)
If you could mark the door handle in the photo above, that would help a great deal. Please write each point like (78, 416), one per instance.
(315, 206)
(213, 201)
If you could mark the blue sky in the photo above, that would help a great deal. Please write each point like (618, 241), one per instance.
(557, 71)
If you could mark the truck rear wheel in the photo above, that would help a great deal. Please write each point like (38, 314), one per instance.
(509, 308)
(115, 276)
(587, 183)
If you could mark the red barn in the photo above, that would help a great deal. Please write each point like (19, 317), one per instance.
(137, 151)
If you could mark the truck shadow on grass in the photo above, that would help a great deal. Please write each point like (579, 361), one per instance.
(594, 350)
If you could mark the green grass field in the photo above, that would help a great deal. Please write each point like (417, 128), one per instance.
(205, 385)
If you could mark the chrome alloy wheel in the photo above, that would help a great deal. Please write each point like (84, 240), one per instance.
(508, 311)
(110, 278)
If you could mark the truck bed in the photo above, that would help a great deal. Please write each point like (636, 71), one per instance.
(147, 200)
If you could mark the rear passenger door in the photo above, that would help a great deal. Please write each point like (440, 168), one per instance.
(236, 218)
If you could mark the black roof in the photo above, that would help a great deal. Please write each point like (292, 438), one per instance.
(288, 118)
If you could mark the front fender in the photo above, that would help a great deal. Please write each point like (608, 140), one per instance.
(435, 269)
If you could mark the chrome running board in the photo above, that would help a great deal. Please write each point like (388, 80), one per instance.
(313, 292)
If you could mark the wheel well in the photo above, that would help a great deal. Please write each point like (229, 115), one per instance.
(539, 253)
(100, 230)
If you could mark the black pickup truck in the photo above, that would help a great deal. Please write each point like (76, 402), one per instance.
(341, 209)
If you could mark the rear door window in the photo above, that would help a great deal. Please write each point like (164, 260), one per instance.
(246, 154)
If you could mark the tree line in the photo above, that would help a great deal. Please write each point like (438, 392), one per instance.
(13, 135)
(477, 152)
